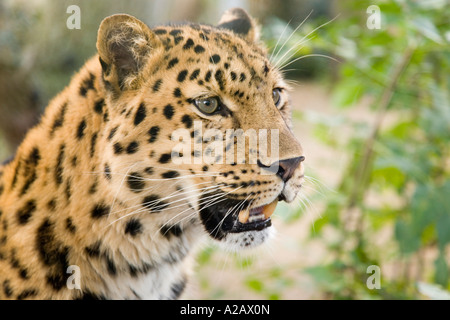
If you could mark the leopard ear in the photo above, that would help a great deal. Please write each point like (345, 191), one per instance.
(239, 21)
(124, 45)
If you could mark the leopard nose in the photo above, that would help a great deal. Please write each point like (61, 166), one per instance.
(284, 168)
(287, 167)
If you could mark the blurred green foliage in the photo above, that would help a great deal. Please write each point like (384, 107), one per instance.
(404, 67)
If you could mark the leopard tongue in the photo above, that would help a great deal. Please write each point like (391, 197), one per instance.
(267, 211)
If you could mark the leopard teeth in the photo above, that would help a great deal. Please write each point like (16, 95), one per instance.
(244, 216)
(254, 218)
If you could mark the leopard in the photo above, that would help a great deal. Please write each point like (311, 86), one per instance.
(93, 204)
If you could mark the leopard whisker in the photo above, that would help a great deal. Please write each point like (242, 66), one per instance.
(301, 40)
(278, 40)
(205, 205)
(173, 194)
(311, 55)
(289, 38)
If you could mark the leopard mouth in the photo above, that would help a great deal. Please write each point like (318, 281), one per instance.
(234, 216)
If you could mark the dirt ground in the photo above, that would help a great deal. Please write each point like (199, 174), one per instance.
(254, 275)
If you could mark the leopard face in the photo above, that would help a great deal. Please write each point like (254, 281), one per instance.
(198, 79)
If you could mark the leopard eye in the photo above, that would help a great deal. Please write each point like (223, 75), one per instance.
(207, 105)
(276, 95)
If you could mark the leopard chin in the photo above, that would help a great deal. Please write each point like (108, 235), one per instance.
(236, 224)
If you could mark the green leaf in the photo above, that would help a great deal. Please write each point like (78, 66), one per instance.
(408, 240)
(433, 291)
(441, 275)
(426, 27)
(255, 284)
(348, 92)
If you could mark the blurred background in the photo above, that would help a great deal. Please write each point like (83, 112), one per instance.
(371, 99)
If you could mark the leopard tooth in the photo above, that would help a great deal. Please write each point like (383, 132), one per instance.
(258, 217)
(269, 209)
(243, 215)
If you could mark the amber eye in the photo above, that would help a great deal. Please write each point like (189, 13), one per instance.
(207, 105)
(276, 95)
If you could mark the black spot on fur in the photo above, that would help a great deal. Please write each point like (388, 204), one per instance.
(208, 76)
(168, 111)
(93, 250)
(16, 174)
(53, 254)
(194, 74)
(135, 182)
(87, 84)
(93, 142)
(170, 174)
(187, 120)
(266, 69)
(59, 165)
(93, 188)
(98, 106)
(199, 49)
(242, 77)
(149, 170)
(28, 293)
(15, 263)
(153, 203)
(51, 205)
(7, 290)
(172, 63)
(233, 76)
(81, 128)
(215, 59)
(177, 40)
(112, 133)
(177, 93)
(118, 149)
(160, 31)
(220, 79)
(59, 120)
(144, 268)
(153, 132)
(34, 157)
(165, 158)
(132, 147)
(107, 172)
(30, 169)
(99, 210)
(133, 227)
(70, 226)
(177, 289)
(24, 214)
(105, 116)
(189, 43)
(140, 114)
(169, 231)
(157, 85)
(175, 32)
(182, 76)
(112, 270)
